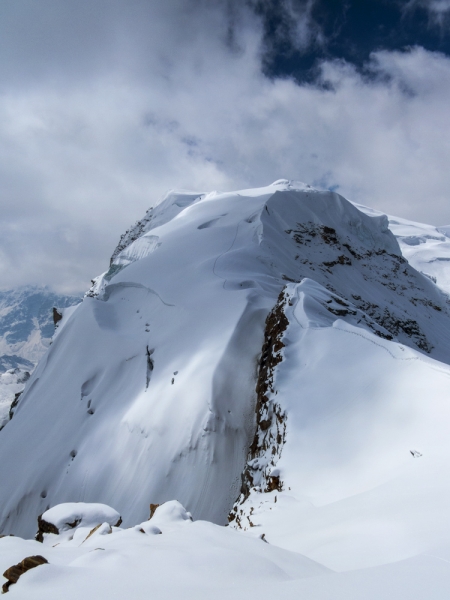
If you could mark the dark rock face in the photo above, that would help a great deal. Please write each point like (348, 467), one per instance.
(57, 316)
(44, 527)
(153, 507)
(270, 430)
(14, 573)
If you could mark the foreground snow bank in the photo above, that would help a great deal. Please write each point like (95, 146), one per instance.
(185, 559)
(199, 560)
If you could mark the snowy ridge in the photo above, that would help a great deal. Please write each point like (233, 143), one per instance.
(134, 244)
(174, 337)
(348, 442)
(267, 357)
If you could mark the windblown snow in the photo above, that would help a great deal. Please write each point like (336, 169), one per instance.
(275, 360)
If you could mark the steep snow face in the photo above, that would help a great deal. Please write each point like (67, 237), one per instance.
(148, 390)
(360, 260)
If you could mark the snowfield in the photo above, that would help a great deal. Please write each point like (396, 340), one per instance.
(273, 362)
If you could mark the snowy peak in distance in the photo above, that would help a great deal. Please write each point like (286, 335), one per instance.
(26, 328)
(26, 323)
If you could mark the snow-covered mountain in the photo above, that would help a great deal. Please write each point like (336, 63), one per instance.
(26, 328)
(27, 325)
(274, 360)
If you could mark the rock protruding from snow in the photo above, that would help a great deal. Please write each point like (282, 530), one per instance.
(16, 571)
(72, 515)
(270, 434)
(169, 514)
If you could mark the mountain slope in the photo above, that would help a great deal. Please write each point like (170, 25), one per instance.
(358, 479)
(425, 247)
(148, 390)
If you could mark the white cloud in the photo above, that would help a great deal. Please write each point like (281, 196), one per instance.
(178, 105)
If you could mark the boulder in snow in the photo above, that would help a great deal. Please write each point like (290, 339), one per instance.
(71, 515)
(13, 573)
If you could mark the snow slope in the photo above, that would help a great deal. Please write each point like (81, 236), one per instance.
(352, 494)
(267, 352)
(425, 247)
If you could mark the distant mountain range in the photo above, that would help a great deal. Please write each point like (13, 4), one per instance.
(26, 324)
(26, 328)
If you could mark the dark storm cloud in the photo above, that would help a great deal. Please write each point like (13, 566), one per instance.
(105, 105)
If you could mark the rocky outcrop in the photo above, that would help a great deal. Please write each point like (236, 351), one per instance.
(270, 432)
(57, 316)
(153, 507)
(44, 527)
(16, 571)
(64, 518)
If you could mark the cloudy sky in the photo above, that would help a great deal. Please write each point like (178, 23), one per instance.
(106, 104)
